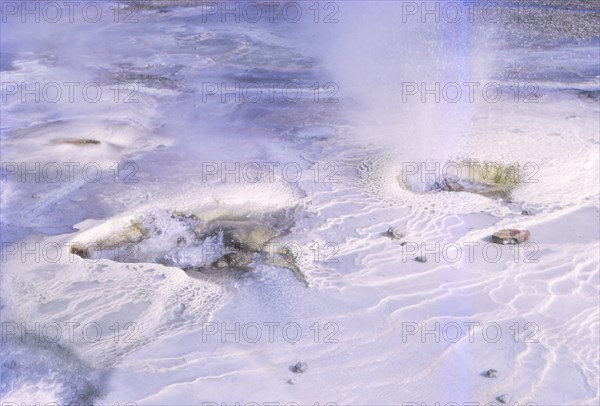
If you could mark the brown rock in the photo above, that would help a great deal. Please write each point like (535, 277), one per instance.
(80, 251)
(510, 236)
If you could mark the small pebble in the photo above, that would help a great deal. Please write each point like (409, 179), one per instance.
(292, 381)
(502, 399)
(394, 234)
(300, 367)
(491, 373)
(421, 258)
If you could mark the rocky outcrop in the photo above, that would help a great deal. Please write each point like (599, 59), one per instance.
(223, 243)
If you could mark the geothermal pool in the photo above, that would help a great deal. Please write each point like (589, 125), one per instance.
(293, 203)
